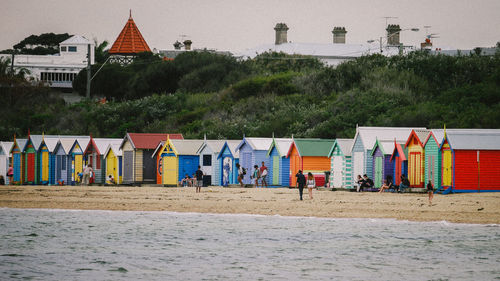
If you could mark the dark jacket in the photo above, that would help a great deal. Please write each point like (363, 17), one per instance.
(301, 179)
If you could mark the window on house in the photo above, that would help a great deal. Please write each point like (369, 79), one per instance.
(63, 49)
(71, 48)
(207, 160)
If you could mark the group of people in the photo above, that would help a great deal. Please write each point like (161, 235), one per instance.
(310, 182)
(196, 180)
(259, 174)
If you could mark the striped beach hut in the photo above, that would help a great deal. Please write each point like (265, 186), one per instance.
(208, 153)
(310, 155)
(63, 160)
(279, 167)
(46, 158)
(113, 159)
(365, 139)
(382, 165)
(5, 147)
(470, 160)
(341, 164)
(399, 160)
(76, 157)
(179, 158)
(432, 165)
(253, 151)
(138, 164)
(416, 156)
(18, 160)
(227, 159)
(94, 155)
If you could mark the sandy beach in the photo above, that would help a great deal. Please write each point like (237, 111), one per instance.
(461, 208)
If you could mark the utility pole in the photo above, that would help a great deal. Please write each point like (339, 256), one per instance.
(12, 63)
(88, 72)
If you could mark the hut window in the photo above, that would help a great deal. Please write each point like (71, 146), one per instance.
(63, 49)
(207, 160)
(72, 49)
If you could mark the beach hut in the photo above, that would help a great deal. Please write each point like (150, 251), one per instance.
(279, 167)
(63, 163)
(310, 155)
(179, 158)
(76, 157)
(113, 159)
(5, 148)
(30, 163)
(46, 158)
(208, 161)
(341, 164)
(470, 161)
(18, 160)
(138, 164)
(94, 155)
(227, 159)
(432, 165)
(399, 160)
(365, 139)
(382, 165)
(252, 152)
(416, 157)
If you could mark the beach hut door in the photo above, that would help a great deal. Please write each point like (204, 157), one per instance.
(447, 168)
(337, 171)
(276, 170)
(358, 164)
(378, 171)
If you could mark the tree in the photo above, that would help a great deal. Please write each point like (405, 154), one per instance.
(43, 44)
(101, 55)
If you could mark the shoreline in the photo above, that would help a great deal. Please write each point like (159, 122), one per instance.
(471, 208)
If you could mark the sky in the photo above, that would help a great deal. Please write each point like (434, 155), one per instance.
(235, 25)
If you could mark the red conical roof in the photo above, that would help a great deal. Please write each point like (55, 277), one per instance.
(130, 40)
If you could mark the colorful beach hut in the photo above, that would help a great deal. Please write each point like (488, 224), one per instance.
(138, 164)
(399, 160)
(18, 160)
(30, 164)
(470, 161)
(310, 155)
(76, 157)
(252, 152)
(46, 158)
(416, 157)
(365, 139)
(341, 164)
(382, 165)
(5, 148)
(208, 161)
(279, 164)
(63, 160)
(432, 165)
(94, 155)
(227, 159)
(179, 158)
(113, 159)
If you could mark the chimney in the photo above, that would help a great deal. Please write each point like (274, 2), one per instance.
(393, 34)
(339, 35)
(281, 30)
(177, 45)
(187, 44)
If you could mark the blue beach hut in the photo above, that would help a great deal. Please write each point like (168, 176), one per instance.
(279, 164)
(252, 152)
(227, 159)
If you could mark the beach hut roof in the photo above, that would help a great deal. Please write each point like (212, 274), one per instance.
(231, 145)
(420, 135)
(312, 147)
(344, 145)
(282, 146)
(83, 142)
(21, 143)
(370, 134)
(386, 146)
(101, 144)
(214, 145)
(7, 146)
(438, 134)
(115, 147)
(403, 152)
(474, 140)
(51, 143)
(256, 143)
(37, 140)
(186, 147)
(147, 141)
(66, 142)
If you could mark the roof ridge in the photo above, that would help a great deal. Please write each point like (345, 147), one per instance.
(130, 40)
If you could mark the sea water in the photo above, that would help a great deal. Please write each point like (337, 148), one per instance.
(116, 245)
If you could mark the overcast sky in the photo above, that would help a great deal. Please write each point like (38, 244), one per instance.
(235, 25)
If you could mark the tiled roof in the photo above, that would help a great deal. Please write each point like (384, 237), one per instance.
(149, 141)
(130, 40)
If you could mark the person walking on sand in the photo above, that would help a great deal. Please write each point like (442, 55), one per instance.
(263, 174)
(311, 183)
(256, 175)
(241, 173)
(10, 173)
(87, 171)
(301, 181)
(430, 191)
(199, 179)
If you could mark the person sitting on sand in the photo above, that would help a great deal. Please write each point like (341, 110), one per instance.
(359, 182)
(405, 183)
(367, 182)
(2, 180)
(111, 180)
(387, 184)
(186, 181)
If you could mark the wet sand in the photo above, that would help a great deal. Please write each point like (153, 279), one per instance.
(462, 208)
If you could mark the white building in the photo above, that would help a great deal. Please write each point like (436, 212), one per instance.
(57, 70)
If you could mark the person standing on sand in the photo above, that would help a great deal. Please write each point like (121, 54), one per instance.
(10, 173)
(87, 171)
(199, 179)
(301, 181)
(430, 191)
(241, 174)
(263, 174)
(311, 183)
(256, 175)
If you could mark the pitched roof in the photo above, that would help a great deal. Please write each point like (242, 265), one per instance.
(282, 145)
(256, 143)
(101, 144)
(420, 134)
(51, 143)
(20, 143)
(115, 148)
(130, 40)
(403, 152)
(37, 139)
(187, 147)
(7, 146)
(232, 145)
(439, 133)
(148, 141)
(66, 142)
(370, 134)
(77, 40)
(312, 147)
(387, 146)
(474, 140)
(344, 145)
(214, 145)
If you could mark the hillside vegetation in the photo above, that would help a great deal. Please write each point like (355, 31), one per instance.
(204, 93)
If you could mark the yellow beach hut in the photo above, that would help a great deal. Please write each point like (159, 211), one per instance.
(113, 160)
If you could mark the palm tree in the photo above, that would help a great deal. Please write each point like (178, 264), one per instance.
(100, 54)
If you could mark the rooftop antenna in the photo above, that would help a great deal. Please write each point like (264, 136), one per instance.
(387, 19)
